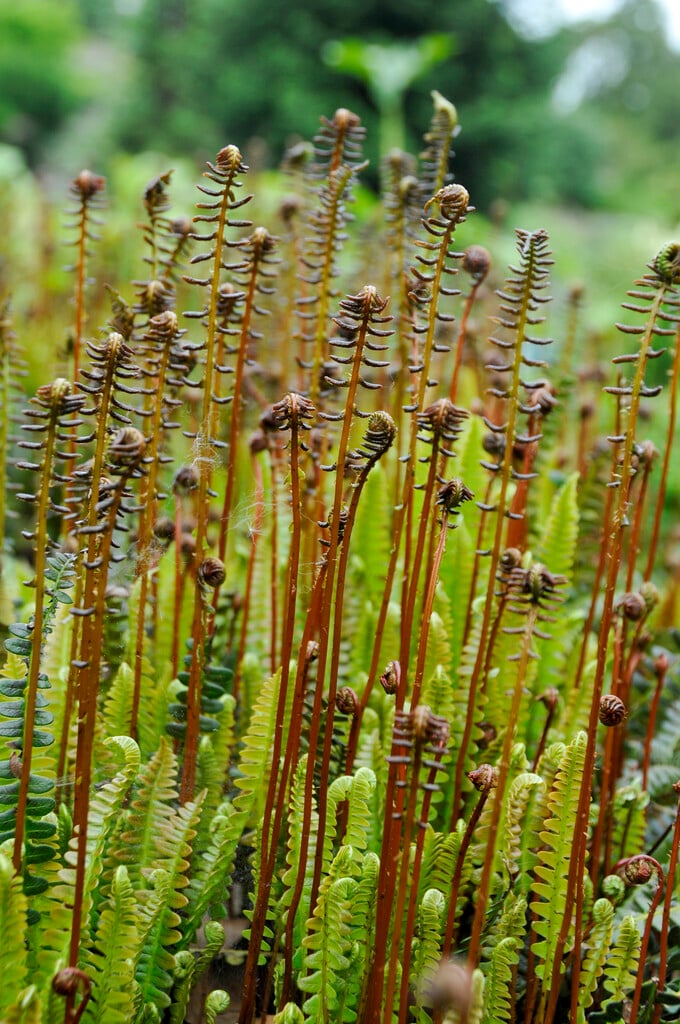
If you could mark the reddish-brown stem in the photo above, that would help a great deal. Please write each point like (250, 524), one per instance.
(231, 161)
(389, 856)
(275, 801)
(427, 612)
(411, 586)
(409, 822)
(458, 870)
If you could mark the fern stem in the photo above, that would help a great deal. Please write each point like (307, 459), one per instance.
(275, 800)
(458, 870)
(401, 889)
(261, 244)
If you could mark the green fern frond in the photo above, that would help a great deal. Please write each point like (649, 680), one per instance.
(216, 1002)
(427, 947)
(551, 873)
(13, 909)
(147, 835)
(254, 763)
(209, 883)
(189, 968)
(117, 710)
(598, 943)
(515, 824)
(557, 546)
(161, 933)
(622, 962)
(28, 1008)
(497, 1004)
(290, 1014)
(328, 944)
(112, 957)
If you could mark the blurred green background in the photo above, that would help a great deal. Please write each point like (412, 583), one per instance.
(585, 116)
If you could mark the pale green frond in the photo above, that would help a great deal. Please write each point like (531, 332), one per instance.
(597, 948)
(13, 908)
(551, 873)
(111, 959)
(497, 1000)
(621, 966)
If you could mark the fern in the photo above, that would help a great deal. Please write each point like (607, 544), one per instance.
(13, 909)
(113, 955)
(497, 1004)
(596, 955)
(622, 963)
(328, 945)
(427, 949)
(551, 873)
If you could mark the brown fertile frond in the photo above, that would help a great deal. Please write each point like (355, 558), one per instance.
(356, 310)
(381, 431)
(656, 297)
(444, 421)
(452, 495)
(338, 143)
(533, 587)
(114, 354)
(54, 416)
(453, 203)
(292, 408)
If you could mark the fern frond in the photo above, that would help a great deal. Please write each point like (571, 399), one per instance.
(551, 873)
(427, 947)
(328, 945)
(622, 962)
(113, 954)
(13, 910)
(515, 822)
(504, 959)
(598, 947)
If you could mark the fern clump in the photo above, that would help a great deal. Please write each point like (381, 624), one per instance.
(346, 658)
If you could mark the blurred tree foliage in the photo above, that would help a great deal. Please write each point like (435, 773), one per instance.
(221, 69)
(581, 116)
(629, 97)
(38, 84)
